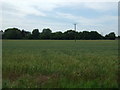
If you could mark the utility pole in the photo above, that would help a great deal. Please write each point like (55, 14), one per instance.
(75, 30)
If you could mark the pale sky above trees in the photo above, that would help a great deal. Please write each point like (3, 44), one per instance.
(59, 15)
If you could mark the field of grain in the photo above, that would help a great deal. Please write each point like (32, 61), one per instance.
(60, 63)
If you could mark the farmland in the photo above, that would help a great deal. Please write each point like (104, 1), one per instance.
(60, 63)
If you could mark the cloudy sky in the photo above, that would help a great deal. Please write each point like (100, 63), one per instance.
(60, 15)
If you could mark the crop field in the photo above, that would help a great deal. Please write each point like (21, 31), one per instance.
(60, 63)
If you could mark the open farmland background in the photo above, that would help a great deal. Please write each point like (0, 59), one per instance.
(63, 63)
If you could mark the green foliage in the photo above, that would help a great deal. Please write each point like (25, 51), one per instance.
(46, 34)
(35, 34)
(70, 34)
(26, 34)
(111, 36)
(12, 33)
(57, 36)
(60, 64)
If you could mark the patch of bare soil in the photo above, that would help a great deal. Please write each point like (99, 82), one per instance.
(41, 79)
(11, 76)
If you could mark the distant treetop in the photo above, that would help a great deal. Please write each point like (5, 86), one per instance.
(15, 33)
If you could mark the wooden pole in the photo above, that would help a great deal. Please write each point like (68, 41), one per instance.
(75, 30)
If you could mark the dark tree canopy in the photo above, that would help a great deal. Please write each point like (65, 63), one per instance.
(26, 34)
(35, 34)
(70, 34)
(95, 35)
(15, 33)
(110, 36)
(46, 31)
(46, 34)
(12, 33)
(57, 35)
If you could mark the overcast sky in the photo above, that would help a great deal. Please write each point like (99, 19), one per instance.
(59, 15)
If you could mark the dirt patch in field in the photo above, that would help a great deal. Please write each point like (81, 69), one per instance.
(41, 79)
(38, 78)
(11, 76)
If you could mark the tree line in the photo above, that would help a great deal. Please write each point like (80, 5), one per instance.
(47, 34)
